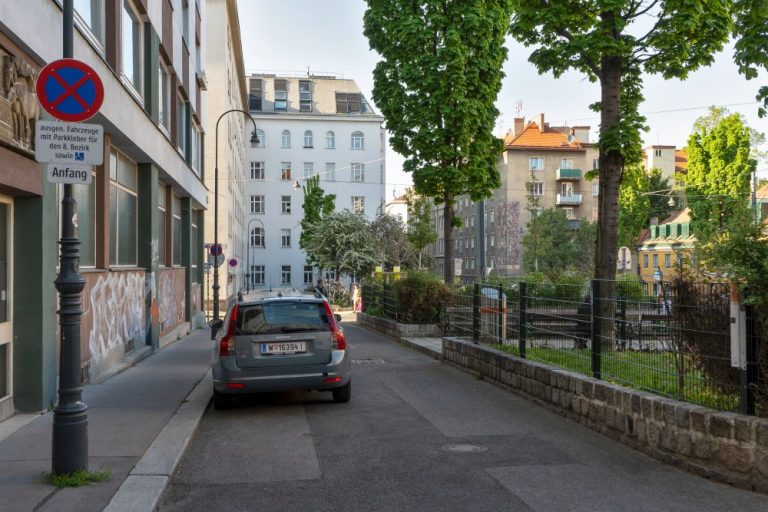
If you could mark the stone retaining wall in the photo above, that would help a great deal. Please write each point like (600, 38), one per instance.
(727, 447)
(396, 330)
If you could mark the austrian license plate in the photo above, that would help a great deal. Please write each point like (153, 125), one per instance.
(287, 347)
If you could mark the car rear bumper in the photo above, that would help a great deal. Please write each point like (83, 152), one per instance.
(286, 378)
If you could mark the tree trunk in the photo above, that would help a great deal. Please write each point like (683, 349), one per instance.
(448, 238)
(611, 165)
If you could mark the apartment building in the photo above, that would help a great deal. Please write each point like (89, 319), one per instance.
(139, 221)
(309, 125)
(670, 160)
(554, 160)
(227, 94)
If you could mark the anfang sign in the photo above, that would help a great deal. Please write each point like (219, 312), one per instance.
(69, 173)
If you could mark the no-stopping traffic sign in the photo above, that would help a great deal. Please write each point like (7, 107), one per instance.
(69, 90)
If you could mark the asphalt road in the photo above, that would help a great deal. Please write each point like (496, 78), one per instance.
(419, 435)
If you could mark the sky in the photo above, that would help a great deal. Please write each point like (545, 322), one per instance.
(326, 36)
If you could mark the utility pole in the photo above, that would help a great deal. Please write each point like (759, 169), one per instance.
(70, 419)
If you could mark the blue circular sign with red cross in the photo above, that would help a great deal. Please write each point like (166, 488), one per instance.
(216, 250)
(69, 90)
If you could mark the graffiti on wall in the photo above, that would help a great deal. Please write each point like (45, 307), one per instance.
(509, 228)
(170, 296)
(117, 311)
(195, 298)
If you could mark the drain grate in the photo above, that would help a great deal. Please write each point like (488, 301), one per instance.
(368, 361)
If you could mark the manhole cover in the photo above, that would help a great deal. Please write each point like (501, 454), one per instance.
(464, 448)
(368, 361)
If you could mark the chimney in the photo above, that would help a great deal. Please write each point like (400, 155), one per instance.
(539, 120)
(654, 221)
(519, 126)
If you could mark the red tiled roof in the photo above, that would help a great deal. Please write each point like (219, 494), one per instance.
(678, 217)
(533, 137)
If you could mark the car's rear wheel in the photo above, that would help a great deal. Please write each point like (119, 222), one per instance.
(221, 401)
(343, 394)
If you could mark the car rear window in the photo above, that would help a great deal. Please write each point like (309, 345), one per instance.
(283, 316)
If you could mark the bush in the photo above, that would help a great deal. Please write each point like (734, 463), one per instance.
(422, 298)
(338, 294)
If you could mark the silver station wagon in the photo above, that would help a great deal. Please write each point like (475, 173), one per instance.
(280, 340)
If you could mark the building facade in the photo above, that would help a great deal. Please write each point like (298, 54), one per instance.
(225, 77)
(307, 126)
(139, 221)
(665, 247)
(550, 161)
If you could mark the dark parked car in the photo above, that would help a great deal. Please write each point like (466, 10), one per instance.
(280, 340)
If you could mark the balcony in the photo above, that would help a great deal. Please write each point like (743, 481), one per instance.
(568, 200)
(568, 174)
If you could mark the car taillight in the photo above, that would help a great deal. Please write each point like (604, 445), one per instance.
(227, 343)
(338, 340)
(341, 341)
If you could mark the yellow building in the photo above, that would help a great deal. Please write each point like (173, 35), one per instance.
(664, 247)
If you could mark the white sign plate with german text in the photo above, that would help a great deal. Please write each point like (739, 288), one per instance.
(69, 143)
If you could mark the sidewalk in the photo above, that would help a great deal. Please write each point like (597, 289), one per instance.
(139, 423)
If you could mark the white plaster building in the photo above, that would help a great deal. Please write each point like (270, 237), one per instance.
(306, 126)
(398, 208)
(226, 91)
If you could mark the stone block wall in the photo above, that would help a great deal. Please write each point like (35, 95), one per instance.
(396, 330)
(727, 447)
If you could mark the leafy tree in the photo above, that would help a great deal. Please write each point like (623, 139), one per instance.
(316, 206)
(716, 114)
(533, 207)
(342, 241)
(547, 246)
(421, 231)
(606, 40)
(751, 49)
(436, 84)
(634, 204)
(718, 182)
(583, 243)
(661, 189)
(392, 242)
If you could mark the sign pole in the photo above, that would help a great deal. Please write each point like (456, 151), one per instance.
(70, 419)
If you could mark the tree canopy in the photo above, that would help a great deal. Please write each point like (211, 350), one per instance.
(614, 42)
(316, 206)
(421, 230)
(719, 176)
(341, 241)
(552, 246)
(392, 244)
(436, 84)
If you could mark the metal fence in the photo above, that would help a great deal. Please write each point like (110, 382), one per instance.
(672, 339)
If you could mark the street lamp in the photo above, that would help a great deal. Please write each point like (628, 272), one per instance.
(254, 141)
(248, 253)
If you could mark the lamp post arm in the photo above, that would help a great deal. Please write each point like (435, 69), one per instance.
(216, 286)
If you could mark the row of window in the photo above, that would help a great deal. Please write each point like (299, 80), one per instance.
(667, 260)
(357, 140)
(256, 275)
(356, 170)
(123, 219)
(258, 204)
(134, 67)
(536, 163)
(346, 103)
(566, 189)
